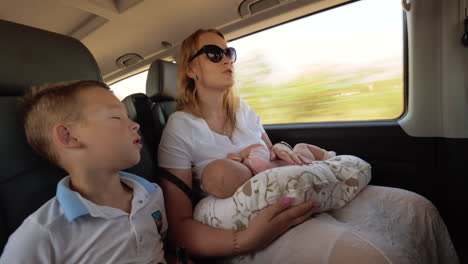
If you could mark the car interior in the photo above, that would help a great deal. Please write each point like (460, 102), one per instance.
(423, 150)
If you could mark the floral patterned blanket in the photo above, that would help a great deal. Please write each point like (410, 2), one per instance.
(331, 183)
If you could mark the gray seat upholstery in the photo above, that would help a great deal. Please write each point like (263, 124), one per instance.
(152, 110)
(161, 90)
(27, 180)
(31, 57)
(161, 85)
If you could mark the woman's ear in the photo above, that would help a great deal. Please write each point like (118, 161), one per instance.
(190, 72)
(63, 137)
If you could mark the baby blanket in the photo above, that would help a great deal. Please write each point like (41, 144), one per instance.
(331, 183)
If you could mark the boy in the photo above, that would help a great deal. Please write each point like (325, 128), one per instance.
(99, 214)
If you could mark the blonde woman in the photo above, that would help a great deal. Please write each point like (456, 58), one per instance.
(211, 123)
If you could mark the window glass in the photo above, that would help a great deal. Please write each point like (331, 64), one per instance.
(133, 84)
(342, 64)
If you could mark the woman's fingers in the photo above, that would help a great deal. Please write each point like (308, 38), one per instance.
(304, 217)
(272, 155)
(264, 227)
(282, 155)
(305, 160)
(288, 217)
(280, 151)
(279, 207)
(290, 157)
(287, 158)
(273, 221)
(295, 158)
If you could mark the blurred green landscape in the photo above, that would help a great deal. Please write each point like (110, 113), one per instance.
(315, 70)
(323, 96)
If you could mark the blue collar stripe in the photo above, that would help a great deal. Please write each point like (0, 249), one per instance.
(71, 204)
(150, 187)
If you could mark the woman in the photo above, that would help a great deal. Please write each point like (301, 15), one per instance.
(212, 122)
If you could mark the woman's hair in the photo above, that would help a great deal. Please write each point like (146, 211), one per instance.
(187, 92)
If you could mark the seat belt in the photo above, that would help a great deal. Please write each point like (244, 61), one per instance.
(179, 183)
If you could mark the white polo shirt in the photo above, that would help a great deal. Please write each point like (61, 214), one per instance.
(71, 229)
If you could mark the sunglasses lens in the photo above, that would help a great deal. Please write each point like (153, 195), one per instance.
(231, 53)
(214, 53)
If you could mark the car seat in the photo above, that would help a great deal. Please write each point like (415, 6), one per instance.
(152, 111)
(30, 57)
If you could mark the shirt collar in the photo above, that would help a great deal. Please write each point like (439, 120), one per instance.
(150, 187)
(73, 207)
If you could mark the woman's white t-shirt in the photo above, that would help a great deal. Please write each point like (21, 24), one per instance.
(188, 143)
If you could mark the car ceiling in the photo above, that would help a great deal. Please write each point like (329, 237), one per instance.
(112, 28)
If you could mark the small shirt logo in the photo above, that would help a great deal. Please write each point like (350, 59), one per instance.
(157, 217)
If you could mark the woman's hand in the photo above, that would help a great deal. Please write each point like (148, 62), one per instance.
(272, 222)
(283, 152)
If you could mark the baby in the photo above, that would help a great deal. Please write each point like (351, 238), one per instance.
(221, 178)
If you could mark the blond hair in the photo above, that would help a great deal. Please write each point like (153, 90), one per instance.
(44, 106)
(187, 92)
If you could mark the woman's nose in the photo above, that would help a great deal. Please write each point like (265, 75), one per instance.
(226, 60)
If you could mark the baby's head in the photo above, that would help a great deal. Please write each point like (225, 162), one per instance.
(80, 124)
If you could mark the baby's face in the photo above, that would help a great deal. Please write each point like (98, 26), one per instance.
(108, 136)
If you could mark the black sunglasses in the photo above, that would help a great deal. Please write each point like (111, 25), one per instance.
(215, 53)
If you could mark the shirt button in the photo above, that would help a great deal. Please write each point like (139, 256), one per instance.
(140, 201)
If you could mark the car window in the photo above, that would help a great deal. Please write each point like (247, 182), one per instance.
(341, 64)
(130, 85)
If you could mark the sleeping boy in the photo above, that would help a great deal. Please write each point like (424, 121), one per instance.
(99, 214)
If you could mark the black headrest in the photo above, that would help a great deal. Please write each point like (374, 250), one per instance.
(31, 56)
(131, 103)
(162, 79)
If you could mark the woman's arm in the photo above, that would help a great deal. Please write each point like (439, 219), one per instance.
(203, 240)
(197, 238)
